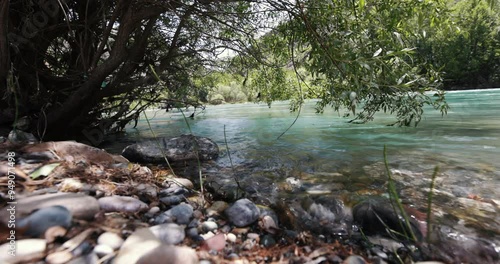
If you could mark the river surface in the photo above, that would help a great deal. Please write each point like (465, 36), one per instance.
(465, 144)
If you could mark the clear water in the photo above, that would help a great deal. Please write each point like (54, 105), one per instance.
(465, 142)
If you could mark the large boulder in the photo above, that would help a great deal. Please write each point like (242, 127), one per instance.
(183, 148)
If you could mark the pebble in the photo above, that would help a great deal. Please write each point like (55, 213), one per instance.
(217, 242)
(353, 259)
(173, 199)
(152, 211)
(24, 247)
(59, 257)
(169, 233)
(231, 237)
(136, 245)
(103, 250)
(181, 182)
(181, 214)
(110, 239)
(242, 213)
(268, 224)
(248, 244)
(208, 235)
(209, 226)
(267, 241)
(80, 205)
(123, 204)
(171, 255)
(192, 232)
(147, 189)
(39, 221)
(253, 236)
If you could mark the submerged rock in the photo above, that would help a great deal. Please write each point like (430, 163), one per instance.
(183, 148)
(377, 216)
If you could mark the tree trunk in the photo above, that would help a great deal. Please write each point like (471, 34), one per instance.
(4, 47)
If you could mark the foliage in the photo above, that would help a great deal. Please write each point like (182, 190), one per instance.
(81, 64)
(348, 53)
(469, 51)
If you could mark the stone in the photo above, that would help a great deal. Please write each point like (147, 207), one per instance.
(141, 242)
(231, 237)
(217, 242)
(242, 213)
(18, 136)
(179, 182)
(147, 190)
(267, 241)
(81, 206)
(103, 250)
(208, 226)
(192, 232)
(123, 204)
(169, 233)
(59, 257)
(24, 247)
(180, 214)
(171, 255)
(353, 259)
(183, 148)
(173, 199)
(374, 216)
(110, 239)
(37, 223)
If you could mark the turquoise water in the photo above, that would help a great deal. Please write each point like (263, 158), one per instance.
(465, 142)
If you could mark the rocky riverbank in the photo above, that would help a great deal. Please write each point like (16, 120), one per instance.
(65, 202)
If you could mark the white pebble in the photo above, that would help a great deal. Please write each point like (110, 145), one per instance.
(231, 237)
(110, 239)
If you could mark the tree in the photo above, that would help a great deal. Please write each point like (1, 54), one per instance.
(81, 64)
(361, 52)
(85, 68)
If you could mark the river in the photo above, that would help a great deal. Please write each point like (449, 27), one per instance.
(465, 144)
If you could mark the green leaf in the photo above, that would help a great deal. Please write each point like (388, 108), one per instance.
(361, 4)
(44, 170)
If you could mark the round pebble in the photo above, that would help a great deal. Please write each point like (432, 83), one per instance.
(242, 213)
(267, 241)
(153, 211)
(110, 239)
(231, 237)
(192, 232)
(209, 226)
(181, 213)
